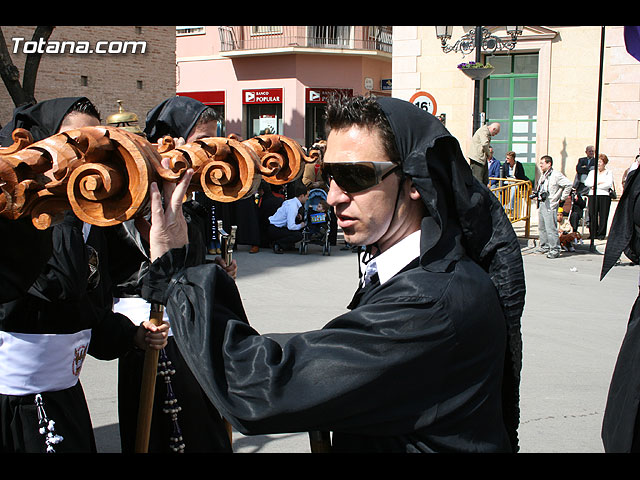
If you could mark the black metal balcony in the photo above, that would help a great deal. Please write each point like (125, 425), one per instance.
(244, 38)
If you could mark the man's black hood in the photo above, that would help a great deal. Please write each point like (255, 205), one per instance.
(463, 216)
(454, 200)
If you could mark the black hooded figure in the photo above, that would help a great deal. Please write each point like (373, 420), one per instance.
(176, 117)
(65, 306)
(25, 250)
(428, 361)
(197, 427)
(42, 119)
(621, 422)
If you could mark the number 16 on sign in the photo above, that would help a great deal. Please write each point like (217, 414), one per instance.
(424, 101)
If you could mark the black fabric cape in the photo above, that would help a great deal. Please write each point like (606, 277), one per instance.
(620, 424)
(420, 364)
(24, 251)
(60, 299)
(454, 199)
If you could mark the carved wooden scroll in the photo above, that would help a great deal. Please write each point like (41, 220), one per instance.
(281, 158)
(104, 173)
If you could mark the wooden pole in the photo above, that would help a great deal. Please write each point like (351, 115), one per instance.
(320, 441)
(148, 386)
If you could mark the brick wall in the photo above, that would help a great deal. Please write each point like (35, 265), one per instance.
(140, 80)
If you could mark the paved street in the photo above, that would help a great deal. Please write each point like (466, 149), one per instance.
(573, 325)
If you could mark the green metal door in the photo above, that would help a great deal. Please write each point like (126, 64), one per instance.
(511, 98)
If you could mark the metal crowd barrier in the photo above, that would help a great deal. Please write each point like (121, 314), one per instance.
(514, 195)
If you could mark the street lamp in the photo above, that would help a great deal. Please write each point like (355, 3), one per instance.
(478, 39)
(477, 36)
(444, 34)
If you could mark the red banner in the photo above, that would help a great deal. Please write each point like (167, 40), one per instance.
(208, 98)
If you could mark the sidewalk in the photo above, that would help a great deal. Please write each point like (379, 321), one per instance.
(530, 242)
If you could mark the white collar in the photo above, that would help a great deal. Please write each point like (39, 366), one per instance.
(397, 257)
(86, 228)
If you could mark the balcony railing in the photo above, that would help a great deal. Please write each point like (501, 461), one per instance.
(371, 38)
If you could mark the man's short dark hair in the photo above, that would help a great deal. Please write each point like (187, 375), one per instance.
(85, 106)
(300, 190)
(547, 159)
(344, 112)
(208, 115)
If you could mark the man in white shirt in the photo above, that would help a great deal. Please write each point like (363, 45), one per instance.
(285, 226)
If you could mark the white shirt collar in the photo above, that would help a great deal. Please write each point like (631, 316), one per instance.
(397, 257)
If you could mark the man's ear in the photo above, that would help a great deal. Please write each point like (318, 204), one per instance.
(414, 194)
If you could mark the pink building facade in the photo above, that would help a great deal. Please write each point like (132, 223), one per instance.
(277, 79)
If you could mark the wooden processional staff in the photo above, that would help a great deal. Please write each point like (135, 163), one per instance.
(103, 175)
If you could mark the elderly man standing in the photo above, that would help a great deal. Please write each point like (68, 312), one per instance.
(583, 167)
(479, 153)
(553, 189)
(427, 359)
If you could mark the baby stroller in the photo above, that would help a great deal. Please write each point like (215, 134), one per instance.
(317, 225)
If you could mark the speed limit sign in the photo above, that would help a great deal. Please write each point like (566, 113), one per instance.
(425, 101)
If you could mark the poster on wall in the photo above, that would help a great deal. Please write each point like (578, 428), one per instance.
(267, 124)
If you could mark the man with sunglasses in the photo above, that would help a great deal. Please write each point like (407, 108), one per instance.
(428, 357)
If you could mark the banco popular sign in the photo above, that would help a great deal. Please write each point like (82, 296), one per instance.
(262, 96)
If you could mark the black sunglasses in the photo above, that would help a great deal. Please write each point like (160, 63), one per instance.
(353, 177)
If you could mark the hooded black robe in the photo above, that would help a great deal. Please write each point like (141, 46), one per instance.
(427, 362)
(621, 422)
(62, 299)
(199, 422)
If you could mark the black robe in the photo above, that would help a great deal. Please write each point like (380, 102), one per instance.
(62, 301)
(621, 422)
(25, 250)
(415, 367)
(200, 424)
